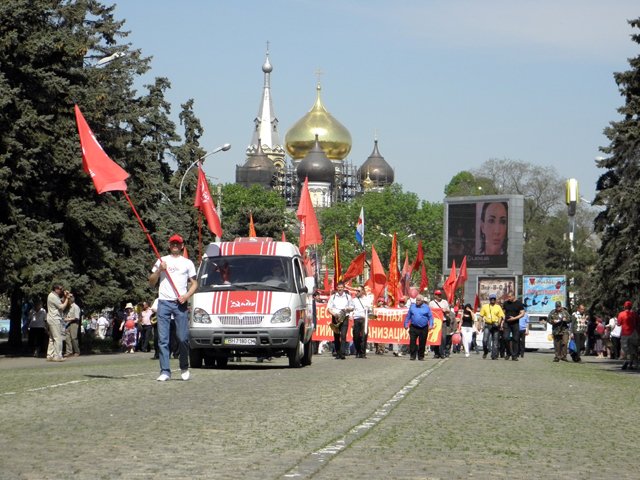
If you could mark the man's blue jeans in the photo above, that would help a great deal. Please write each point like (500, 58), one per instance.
(166, 310)
(490, 340)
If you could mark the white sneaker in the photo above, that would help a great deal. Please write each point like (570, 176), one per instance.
(185, 375)
(163, 377)
(466, 354)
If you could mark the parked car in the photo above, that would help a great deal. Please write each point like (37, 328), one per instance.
(4, 327)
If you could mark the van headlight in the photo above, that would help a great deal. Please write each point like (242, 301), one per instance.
(201, 316)
(282, 316)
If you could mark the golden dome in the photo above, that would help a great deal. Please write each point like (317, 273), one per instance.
(334, 138)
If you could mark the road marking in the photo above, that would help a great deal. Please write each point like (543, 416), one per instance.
(312, 463)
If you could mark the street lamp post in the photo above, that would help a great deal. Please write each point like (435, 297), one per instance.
(222, 148)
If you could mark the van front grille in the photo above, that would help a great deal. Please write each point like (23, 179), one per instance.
(241, 320)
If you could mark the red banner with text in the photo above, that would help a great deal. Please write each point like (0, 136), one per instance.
(387, 327)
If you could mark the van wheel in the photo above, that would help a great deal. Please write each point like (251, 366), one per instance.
(308, 353)
(295, 355)
(195, 358)
(222, 361)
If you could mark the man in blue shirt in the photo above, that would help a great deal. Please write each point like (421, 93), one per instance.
(524, 331)
(418, 321)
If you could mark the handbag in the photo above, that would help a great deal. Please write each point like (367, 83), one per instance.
(572, 346)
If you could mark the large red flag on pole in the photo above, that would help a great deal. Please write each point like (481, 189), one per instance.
(356, 267)
(424, 279)
(405, 275)
(106, 174)
(378, 279)
(337, 265)
(393, 292)
(449, 286)
(462, 275)
(326, 286)
(419, 258)
(252, 227)
(309, 228)
(204, 203)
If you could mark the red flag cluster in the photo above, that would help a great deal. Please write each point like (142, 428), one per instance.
(309, 228)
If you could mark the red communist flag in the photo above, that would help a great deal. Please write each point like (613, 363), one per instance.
(393, 290)
(355, 268)
(284, 237)
(378, 278)
(424, 279)
(204, 203)
(405, 275)
(450, 285)
(419, 258)
(325, 285)
(106, 174)
(252, 227)
(309, 228)
(462, 274)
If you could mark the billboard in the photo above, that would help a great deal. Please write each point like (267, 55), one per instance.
(500, 286)
(487, 230)
(541, 292)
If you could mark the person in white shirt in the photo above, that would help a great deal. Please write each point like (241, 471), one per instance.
(339, 306)
(361, 308)
(177, 283)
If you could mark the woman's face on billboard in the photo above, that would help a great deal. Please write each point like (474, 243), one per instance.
(494, 228)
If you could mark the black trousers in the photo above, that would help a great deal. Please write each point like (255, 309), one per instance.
(340, 339)
(359, 337)
(417, 341)
(511, 334)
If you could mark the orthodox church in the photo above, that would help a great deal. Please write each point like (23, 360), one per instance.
(318, 146)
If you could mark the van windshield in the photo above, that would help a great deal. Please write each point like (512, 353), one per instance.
(246, 272)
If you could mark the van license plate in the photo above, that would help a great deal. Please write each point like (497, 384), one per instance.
(240, 341)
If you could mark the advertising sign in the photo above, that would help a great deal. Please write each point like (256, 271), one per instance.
(541, 292)
(500, 286)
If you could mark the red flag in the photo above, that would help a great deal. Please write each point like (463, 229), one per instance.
(309, 228)
(462, 274)
(419, 258)
(106, 174)
(337, 266)
(393, 292)
(252, 227)
(449, 286)
(284, 238)
(326, 285)
(204, 203)
(378, 278)
(476, 303)
(424, 279)
(405, 275)
(355, 268)
(185, 254)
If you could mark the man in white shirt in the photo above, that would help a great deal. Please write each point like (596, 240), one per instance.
(361, 308)
(175, 273)
(339, 305)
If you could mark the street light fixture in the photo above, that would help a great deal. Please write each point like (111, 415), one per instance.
(222, 148)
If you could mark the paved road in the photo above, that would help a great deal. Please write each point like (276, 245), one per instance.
(106, 417)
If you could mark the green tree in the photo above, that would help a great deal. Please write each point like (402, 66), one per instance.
(618, 265)
(54, 225)
(466, 184)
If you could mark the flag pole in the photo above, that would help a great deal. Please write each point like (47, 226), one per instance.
(153, 245)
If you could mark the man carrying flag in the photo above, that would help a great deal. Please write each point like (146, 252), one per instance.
(174, 302)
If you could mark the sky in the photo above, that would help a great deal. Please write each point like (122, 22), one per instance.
(444, 85)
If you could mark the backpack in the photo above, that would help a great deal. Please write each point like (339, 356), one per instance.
(600, 329)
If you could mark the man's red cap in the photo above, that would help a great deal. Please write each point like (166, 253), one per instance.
(176, 238)
(628, 304)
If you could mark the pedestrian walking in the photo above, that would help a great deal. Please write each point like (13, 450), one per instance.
(72, 325)
(579, 324)
(492, 315)
(560, 321)
(468, 325)
(513, 312)
(169, 272)
(57, 301)
(418, 321)
(339, 306)
(628, 320)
